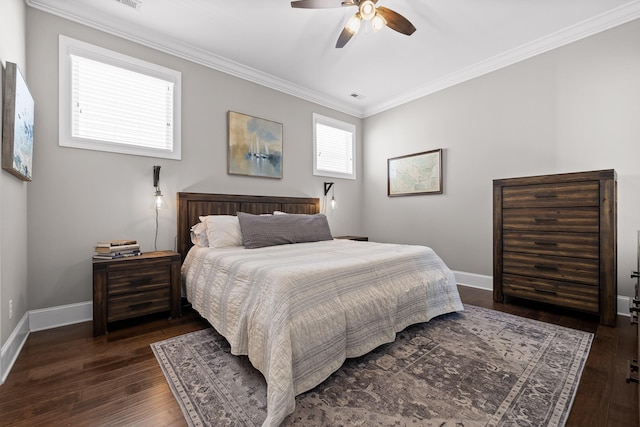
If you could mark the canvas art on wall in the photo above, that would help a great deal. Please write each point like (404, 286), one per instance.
(419, 173)
(255, 146)
(17, 129)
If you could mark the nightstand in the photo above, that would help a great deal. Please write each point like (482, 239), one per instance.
(125, 288)
(359, 238)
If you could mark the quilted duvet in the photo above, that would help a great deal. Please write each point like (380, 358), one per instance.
(299, 310)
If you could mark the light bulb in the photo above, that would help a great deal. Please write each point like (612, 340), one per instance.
(158, 200)
(367, 10)
(378, 22)
(333, 202)
(353, 25)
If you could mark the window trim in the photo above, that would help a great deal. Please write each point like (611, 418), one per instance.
(68, 47)
(338, 124)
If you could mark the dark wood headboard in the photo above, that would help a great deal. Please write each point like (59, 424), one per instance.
(193, 205)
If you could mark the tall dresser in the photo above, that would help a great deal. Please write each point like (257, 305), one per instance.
(554, 241)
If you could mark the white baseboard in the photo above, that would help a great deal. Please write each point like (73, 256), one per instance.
(39, 320)
(11, 349)
(63, 315)
(473, 280)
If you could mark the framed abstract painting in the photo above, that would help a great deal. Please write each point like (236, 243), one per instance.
(255, 146)
(17, 126)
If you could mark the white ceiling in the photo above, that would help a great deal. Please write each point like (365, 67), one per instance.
(293, 50)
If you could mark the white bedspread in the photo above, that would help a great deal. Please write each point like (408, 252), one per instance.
(299, 310)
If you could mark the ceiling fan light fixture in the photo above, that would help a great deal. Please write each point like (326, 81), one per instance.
(353, 25)
(367, 10)
(378, 22)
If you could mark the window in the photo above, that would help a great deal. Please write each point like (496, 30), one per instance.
(113, 102)
(334, 148)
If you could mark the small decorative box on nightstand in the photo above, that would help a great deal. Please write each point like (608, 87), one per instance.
(125, 288)
(359, 238)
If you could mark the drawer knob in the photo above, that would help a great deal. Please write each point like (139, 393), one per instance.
(545, 219)
(546, 196)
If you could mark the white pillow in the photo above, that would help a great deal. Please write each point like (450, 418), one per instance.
(199, 235)
(222, 230)
(279, 213)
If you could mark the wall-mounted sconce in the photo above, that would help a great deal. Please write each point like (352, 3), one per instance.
(158, 201)
(329, 186)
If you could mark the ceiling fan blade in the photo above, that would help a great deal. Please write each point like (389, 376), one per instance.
(396, 22)
(345, 36)
(317, 4)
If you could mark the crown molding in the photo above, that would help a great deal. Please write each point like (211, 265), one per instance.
(589, 27)
(204, 58)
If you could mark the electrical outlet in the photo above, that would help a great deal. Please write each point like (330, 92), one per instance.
(10, 309)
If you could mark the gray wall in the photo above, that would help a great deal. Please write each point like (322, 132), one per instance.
(78, 196)
(568, 110)
(573, 109)
(13, 192)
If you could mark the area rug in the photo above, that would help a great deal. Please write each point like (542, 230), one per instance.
(474, 368)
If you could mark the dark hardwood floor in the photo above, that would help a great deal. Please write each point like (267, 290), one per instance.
(65, 377)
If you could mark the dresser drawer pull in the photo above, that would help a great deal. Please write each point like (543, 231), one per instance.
(545, 219)
(545, 267)
(140, 305)
(632, 371)
(546, 243)
(546, 196)
(142, 281)
(544, 291)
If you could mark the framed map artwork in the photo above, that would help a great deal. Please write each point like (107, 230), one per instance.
(413, 174)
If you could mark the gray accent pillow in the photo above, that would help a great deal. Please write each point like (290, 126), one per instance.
(259, 231)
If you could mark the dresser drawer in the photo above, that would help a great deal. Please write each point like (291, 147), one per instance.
(578, 270)
(579, 245)
(577, 220)
(138, 280)
(581, 297)
(570, 194)
(138, 304)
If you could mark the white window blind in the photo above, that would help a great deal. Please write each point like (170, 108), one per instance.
(116, 105)
(112, 102)
(334, 148)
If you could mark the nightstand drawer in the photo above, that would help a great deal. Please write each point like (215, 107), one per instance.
(138, 304)
(138, 280)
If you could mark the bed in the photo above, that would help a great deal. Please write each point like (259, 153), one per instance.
(299, 310)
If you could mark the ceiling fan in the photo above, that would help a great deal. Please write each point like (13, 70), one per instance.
(379, 16)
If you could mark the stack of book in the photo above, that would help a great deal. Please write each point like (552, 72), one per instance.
(111, 249)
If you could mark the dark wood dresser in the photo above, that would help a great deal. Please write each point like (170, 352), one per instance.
(125, 288)
(554, 241)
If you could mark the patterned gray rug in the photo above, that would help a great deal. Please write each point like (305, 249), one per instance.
(476, 368)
